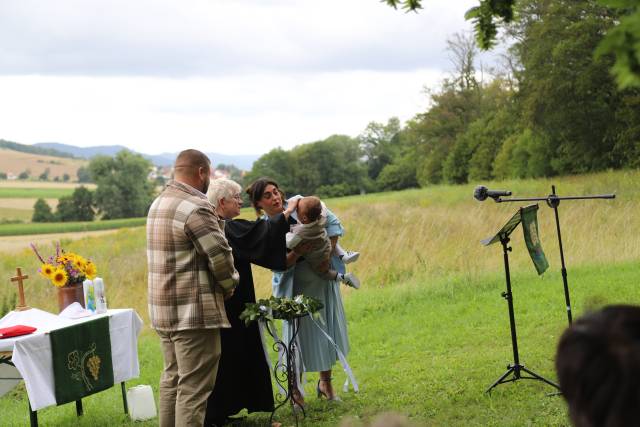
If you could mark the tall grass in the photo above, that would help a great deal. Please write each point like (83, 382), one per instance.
(429, 233)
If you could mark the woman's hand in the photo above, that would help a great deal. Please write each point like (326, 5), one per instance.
(298, 251)
(292, 204)
(303, 248)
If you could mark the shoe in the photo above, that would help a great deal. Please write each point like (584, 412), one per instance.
(350, 256)
(334, 398)
(350, 279)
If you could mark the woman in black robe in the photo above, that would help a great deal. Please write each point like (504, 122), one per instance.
(244, 374)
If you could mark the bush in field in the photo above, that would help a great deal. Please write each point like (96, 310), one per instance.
(42, 212)
(3, 175)
(24, 174)
(77, 207)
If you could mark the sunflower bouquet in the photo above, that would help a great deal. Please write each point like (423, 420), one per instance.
(65, 268)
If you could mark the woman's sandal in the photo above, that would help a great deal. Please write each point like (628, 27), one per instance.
(334, 398)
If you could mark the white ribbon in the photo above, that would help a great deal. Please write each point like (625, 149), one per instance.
(343, 360)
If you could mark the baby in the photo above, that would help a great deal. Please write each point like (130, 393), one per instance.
(312, 229)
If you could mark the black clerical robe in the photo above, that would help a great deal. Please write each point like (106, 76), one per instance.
(244, 376)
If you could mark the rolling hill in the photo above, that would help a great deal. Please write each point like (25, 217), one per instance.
(241, 161)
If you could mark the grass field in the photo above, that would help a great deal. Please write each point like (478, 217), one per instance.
(429, 329)
(18, 197)
(34, 193)
(67, 227)
(16, 162)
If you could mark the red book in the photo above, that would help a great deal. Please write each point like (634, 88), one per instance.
(14, 331)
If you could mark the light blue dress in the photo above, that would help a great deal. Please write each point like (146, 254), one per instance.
(318, 353)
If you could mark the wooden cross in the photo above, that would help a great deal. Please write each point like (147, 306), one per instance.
(19, 278)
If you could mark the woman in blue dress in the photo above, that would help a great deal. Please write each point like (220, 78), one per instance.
(318, 352)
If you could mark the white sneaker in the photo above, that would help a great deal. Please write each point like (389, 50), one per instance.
(350, 256)
(350, 279)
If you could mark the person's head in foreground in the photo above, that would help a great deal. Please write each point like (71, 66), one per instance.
(598, 366)
(309, 209)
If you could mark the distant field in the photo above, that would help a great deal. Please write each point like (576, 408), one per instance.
(34, 193)
(66, 227)
(4, 183)
(18, 197)
(15, 214)
(16, 162)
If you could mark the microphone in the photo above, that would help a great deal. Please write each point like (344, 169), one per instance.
(481, 193)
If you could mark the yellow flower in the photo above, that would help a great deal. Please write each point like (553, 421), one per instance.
(90, 270)
(47, 270)
(59, 277)
(80, 263)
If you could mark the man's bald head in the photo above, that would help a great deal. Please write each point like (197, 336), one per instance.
(193, 167)
(188, 162)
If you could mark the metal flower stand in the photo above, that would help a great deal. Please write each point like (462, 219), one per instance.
(284, 369)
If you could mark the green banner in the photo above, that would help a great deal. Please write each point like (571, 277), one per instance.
(81, 360)
(532, 238)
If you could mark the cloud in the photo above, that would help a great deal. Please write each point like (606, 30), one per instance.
(182, 38)
(235, 115)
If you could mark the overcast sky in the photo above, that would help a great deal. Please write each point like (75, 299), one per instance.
(227, 76)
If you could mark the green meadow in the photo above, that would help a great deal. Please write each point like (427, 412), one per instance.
(429, 329)
(25, 229)
(34, 193)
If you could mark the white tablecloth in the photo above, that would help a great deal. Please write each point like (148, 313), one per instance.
(32, 353)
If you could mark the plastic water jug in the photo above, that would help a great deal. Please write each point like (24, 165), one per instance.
(142, 405)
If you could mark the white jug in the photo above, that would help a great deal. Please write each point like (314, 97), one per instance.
(142, 405)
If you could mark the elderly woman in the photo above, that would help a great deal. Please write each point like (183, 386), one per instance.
(243, 379)
(318, 352)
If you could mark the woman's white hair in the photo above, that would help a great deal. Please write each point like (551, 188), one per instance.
(222, 188)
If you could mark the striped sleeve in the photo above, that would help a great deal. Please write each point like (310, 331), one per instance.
(209, 240)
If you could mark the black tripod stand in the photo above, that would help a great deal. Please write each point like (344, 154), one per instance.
(516, 369)
(553, 201)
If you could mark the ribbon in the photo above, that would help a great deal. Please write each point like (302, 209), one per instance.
(343, 360)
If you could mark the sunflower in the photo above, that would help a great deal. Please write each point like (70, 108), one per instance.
(59, 277)
(90, 270)
(47, 270)
(80, 263)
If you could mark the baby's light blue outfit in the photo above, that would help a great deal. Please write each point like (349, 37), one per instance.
(318, 354)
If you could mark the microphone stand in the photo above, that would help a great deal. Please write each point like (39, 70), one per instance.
(553, 200)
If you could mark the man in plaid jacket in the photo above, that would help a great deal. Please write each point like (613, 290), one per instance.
(191, 272)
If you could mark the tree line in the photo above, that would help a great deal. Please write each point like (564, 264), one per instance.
(552, 108)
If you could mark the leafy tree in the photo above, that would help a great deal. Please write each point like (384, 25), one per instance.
(66, 177)
(77, 207)
(83, 174)
(24, 174)
(377, 143)
(123, 188)
(42, 212)
(565, 94)
(623, 40)
(3, 175)
(44, 176)
(276, 164)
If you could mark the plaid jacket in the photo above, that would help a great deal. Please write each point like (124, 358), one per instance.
(189, 261)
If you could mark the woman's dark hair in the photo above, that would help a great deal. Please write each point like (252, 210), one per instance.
(256, 190)
(598, 365)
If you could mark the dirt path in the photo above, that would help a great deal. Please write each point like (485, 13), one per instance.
(13, 243)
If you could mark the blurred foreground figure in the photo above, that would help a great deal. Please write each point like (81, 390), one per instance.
(598, 365)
